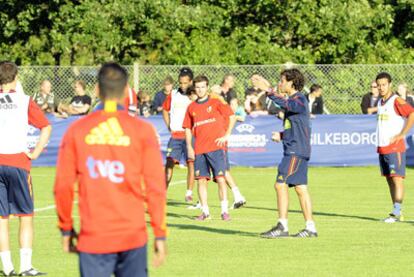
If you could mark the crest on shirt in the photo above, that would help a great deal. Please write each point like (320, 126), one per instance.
(108, 132)
(209, 109)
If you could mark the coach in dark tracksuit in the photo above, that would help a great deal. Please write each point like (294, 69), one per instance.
(293, 169)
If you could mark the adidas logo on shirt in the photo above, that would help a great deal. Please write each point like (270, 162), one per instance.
(108, 132)
(6, 103)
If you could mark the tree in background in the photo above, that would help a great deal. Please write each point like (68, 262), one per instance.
(63, 32)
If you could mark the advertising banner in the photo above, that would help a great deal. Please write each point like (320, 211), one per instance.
(337, 140)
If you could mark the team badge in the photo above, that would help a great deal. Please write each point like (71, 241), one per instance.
(197, 173)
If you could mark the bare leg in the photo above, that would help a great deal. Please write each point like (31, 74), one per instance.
(391, 187)
(190, 175)
(282, 200)
(222, 189)
(169, 171)
(26, 232)
(230, 181)
(398, 192)
(305, 201)
(202, 192)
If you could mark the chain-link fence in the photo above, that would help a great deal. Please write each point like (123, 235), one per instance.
(343, 85)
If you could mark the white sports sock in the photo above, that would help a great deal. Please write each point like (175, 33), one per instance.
(6, 261)
(224, 206)
(310, 226)
(236, 194)
(189, 193)
(205, 210)
(25, 259)
(284, 223)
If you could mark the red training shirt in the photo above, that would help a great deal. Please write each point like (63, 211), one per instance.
(207, 121)
(116, 160)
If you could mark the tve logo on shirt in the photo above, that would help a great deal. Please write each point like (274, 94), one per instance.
(113, 170)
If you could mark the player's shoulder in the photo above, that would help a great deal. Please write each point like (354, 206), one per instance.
(400, 101)
(217, 101)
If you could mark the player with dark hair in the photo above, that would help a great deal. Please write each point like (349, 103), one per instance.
(293, 169)
(116, 160)
(174, 109)
(205, 120)
(17, 111)
(395, 119)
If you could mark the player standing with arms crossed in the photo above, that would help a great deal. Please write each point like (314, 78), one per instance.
(391, 131)
(17, 111)
(293, 169)
(117, 162)
(174, 108)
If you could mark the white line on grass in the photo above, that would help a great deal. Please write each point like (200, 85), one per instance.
(51, 207)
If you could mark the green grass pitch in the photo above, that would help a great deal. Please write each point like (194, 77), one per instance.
(348, 205)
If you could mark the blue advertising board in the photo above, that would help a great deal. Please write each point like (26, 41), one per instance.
(337, 140)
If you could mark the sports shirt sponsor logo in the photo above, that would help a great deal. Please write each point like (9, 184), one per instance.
(6, 103)
(112, 170)
(108, 133)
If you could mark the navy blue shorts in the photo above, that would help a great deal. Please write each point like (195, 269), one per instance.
(293, 171)
(131, 263)
(177, 149)
(16, 197)
(392, 164)
(211, 162)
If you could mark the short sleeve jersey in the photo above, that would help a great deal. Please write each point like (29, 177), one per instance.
(207, 121)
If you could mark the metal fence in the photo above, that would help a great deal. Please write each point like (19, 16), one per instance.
(343, 85)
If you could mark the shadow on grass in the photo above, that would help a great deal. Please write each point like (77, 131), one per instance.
(175, 203)
(169, 214)
(319, 213)
(204, 228)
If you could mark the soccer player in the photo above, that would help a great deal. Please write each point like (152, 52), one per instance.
(174, 108)
(116, 161)
(391, 131)
(239, 199)
(293, 169)
(17, 111)
(205, 120)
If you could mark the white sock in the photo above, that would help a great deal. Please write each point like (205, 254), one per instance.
(224, 206)
(284, 223)
(189, 193)
(6, 261)
(310, 226)
(25, 259)
(205, 210)
(236, 194)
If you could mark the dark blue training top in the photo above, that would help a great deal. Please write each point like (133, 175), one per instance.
(296, 136)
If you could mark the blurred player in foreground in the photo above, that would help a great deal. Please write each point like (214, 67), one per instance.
(116, 160)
